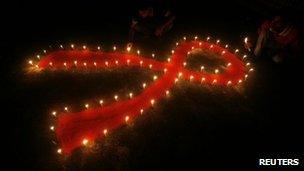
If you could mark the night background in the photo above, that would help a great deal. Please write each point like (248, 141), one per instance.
(199, 127)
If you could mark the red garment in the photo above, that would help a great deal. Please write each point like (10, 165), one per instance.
(289, 35)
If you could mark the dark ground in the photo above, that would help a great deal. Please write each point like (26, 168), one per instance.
(197, 127)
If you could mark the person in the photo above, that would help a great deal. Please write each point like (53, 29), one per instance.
(150, 22)
(278, 39)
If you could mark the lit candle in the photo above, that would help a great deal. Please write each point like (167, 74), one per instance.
(152, 102)
(127, 119)
(85, 141)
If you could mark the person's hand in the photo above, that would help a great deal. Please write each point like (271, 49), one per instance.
(248, 45)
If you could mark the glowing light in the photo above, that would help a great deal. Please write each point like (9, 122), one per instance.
(185, 63)
(236, 50)
(54, 113)
(203, 79)
(61, 46)
(216, 71)
(85, 64)
(95, 64)
(165, 70)
(138, 52)
(223, 52)
(85, 141)
(245, 56)
(246, 40)
(172, 51)
(180, 74)
(192, 47)
(226, 46)
(185, 38)
(152, 101)
(217, 41)
(129, 48)
(65, 64)
(84, 47)
(51, 64)
(154, 77)
(130, 95)
(144, 85)
(208, 38)
(188, 53)
(247, 64)
(107, 63)
(98, 47)
(240, 81)
(175, 80)
(127, 118)
(191, 77)
(75, 62)
(114, 48)
(200, 43)
(44, 51)
(72, 46)
(38, 56)
(116, 97)
(116, 62)
(214, 81)
(229, 64)
(169, 59)
(176, 43)
(59, 151)
(101, 102)
(141, 111)
(251, 69)
(141, 63)
(153, 55)
(52, 128)
(30, 62)
(195, 38)
(128, 61)
(36, 66)
(211, 46)
(246, 75)
(86, 105)
(150, 66)
(167, 92)
(66, 108)
(105, 131)
(202, 68)
(229, 82)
